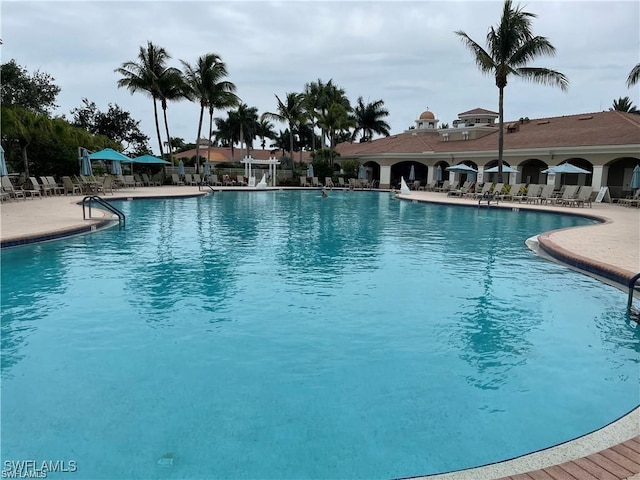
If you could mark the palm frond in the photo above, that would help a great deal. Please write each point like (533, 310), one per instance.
(544, 76)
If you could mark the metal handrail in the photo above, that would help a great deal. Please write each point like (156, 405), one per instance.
(631, 285)
(95, 198)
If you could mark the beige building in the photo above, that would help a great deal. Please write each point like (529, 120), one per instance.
(607, 144)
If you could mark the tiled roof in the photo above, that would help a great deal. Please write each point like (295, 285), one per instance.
(223, 154)
(587, 129)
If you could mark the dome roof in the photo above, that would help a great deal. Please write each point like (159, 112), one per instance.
(427, 115)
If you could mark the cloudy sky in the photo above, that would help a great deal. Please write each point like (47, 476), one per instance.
(404, 53)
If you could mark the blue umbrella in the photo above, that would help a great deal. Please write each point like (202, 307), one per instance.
(412, 174)
(635, 178)
(462, 168)
(3, 165)
(565, 168)
(505, 169)
(108, 154)
(85, 164)
(116, 168)
(180, 168)
(361, 173)
(149, 159)
(310, 170)
(207, 168)
(439, 173)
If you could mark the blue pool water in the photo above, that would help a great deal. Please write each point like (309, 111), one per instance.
(281, 335)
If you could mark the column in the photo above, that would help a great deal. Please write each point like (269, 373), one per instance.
(385, 176)
(599, 177)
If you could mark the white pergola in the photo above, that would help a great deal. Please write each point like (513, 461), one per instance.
(250, 161)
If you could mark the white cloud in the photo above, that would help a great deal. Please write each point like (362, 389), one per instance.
(404, 53)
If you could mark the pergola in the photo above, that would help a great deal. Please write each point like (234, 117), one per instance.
(250, 161)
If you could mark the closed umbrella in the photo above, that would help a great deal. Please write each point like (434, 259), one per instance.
(361, 173)
(310, 171)
(180, 168)
(412, 174)
(635, 178)
(439, 173)
(3, 165)
(116, 168)
(207, 168)
(85, 164)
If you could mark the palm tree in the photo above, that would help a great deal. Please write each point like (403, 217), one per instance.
(201, 80)
(246, 124)
(332, 94)
(265, 130)
(511, 46)
(368, 120)
(624, 104)
(634, 76)
(336, 120)
(289, 112)
(221, 96)
(171, 87)
(312, 104)
(143, 76)
(225, 133)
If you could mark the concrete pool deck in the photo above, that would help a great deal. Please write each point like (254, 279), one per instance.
(609, 250)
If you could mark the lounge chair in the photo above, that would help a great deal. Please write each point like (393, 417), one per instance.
(303, 182)
(581, 198)
(341, 182)
(8, 187)
(35, 189)
(70, 187)
(130, 181)
(240, 181)
(213, 180)
(570, 192)
(107, 185)
(511, 191)
(175, 179)
(630, 199)
(328, 182)
(486, 188)
(314, 182)
(44, 186)
(443, 188)
(54, 185)
(545, 195)
(415, 185)
(197, 179)
(430, 186)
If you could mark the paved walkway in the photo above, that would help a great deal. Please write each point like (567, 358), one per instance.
(611, 247)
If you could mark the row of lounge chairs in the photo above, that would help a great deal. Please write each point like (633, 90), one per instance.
(630, 201)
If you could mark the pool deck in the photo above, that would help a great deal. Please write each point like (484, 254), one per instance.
(609, 250)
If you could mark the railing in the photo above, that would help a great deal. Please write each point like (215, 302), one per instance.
(632, 288)
(86, 201)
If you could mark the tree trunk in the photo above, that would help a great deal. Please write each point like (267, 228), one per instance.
(210, 135)
(25, 159)
(155, 116)
(198, 138)
(500, 131)
(291, 147)
(166, 126)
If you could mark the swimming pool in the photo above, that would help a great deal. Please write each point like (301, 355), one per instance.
(281, 335)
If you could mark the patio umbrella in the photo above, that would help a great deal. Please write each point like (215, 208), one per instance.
(635, 178)
(116, 168)
(150, 160)
(180, 168)
(207, 168)
(565, 168)
(108, 154)
(310, 170)
(3, 165)
(462, 168)
(361, 173)
(505, 169)
(412, 174)
(439, 173)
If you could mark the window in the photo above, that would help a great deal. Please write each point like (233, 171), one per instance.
(465, 135)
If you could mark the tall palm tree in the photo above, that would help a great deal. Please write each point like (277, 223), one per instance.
(171, 87)
(265, 130)
(511, 46)
(246, 123)
(369, 120)
(143, 76)
(332, 94)
(624, 104)
(225, 133)
(312, 104)
(290, 112)
(336, 120)
(634, 76)
(203, 79)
